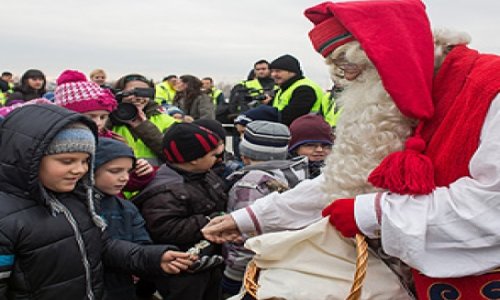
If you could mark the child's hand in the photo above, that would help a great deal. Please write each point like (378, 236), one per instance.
(142, 167)
(173, 262)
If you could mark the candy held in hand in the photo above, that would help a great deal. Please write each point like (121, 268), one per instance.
(195, 250)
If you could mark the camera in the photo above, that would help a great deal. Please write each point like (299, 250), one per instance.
(138, 92)
(254, 96)
(125, 112)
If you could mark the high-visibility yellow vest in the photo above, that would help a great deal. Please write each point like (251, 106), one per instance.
(255, 87)
(164, 93)
(331, 112)
(162, 121)
(215, 94)
(282, 98)
(3, 98)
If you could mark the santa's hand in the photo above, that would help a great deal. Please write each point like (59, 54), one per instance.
(341, 216)
(222, 229)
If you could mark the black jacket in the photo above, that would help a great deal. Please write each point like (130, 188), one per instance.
(176, 205)
(48, 253)
(301, 102)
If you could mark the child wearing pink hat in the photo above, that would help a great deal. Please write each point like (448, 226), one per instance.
(76, 93)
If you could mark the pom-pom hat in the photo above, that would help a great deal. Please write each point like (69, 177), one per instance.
(76, 93)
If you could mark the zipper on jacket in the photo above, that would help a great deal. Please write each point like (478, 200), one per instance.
(81, 245)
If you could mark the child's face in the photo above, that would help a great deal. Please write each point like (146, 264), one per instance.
(99, 78)
(112, 177)
(35, 83)
(60, 172)
(315, 151)
(204, 163)
(100, 117)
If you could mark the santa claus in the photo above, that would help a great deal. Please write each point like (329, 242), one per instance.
(416, 162)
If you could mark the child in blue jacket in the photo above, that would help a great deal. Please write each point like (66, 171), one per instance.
(113, 163)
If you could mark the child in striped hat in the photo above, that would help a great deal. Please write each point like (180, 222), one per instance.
(182, 198)
(264, 149)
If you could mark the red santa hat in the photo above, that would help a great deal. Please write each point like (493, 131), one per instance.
(396, 36)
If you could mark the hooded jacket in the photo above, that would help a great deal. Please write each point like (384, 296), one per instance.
(50, 246)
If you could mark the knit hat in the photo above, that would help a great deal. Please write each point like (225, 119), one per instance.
(109, 149)
(76, 93)
(309, 129)
(75, 137)
(398, 41)
(213, 125)
(329, 35)
(4, 111)
(286, 62)
(260, 113)
(185, 142)
(265, 140)
(405, 63)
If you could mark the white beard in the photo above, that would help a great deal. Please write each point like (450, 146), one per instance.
(370, 127)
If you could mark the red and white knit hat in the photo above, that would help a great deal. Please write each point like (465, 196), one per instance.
(76, 93)
(397, 38)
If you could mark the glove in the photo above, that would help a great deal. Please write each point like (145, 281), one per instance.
(341, 212)
(206, 262)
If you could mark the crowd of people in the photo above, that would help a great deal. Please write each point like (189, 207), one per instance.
(127, 190)
(125, 176)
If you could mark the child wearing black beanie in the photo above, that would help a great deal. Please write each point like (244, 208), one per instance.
(182, 198)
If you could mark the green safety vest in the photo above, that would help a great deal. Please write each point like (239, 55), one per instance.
(162, 121)
(255, 87)
(331, 112)
(215, 94)
(3, 98)
(283, 97)
(164, 93)
(11, 88)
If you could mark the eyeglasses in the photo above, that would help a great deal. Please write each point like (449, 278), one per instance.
(346, 68)
(317, 145)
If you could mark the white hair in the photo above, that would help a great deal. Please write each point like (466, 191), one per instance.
(444, 41)
(370, 127)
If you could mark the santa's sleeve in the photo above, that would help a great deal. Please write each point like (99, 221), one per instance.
(455, 230)
(293, 209)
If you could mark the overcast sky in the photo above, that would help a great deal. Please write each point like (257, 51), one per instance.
(217, 38)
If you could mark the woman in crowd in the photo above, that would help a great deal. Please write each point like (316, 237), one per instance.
(192, 100)
(144, 133)
(32, 86)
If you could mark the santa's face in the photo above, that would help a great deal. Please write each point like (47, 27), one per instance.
(346, 64)
(369, 127)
